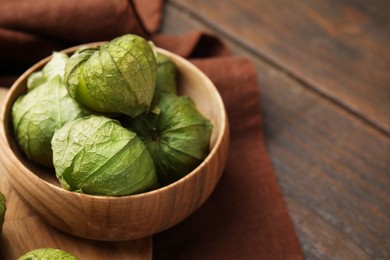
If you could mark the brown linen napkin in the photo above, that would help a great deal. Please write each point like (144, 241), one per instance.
(31, 30)
(245, 217)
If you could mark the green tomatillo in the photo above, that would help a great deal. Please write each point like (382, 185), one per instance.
(176, 134)
(2, 210)
(47, 254)
(55, 67)
(96, 155)
(37, 114)
(166, 75)
(117, 77)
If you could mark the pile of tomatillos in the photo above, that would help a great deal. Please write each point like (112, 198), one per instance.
(109, 120)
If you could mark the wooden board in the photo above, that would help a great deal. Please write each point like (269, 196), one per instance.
(332, 165)
(23, 231)
(338, 48)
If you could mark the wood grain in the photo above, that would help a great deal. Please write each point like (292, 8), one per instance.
(338, 48)
(333, 167)
(23, 231)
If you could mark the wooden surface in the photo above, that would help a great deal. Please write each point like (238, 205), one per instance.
(23, 231)
(324, 75)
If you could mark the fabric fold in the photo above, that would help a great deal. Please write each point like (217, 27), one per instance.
(195, 44)
(32, 30)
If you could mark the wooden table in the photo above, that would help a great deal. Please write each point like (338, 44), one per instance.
(324, 75)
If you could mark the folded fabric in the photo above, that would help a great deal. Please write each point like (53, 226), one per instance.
(245, 217)
(31, 30)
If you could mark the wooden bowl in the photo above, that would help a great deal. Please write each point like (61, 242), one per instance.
(127, 217)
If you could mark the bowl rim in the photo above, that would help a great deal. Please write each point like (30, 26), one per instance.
(220, 135)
